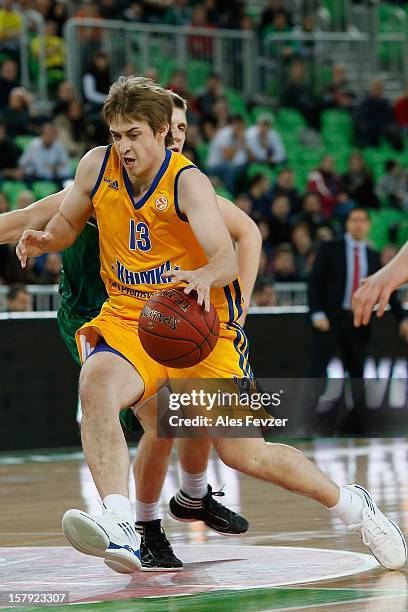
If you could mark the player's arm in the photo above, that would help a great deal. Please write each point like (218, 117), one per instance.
(198, 202)
(69, 220)
(36, 216)
(378, 288)
(245, 233)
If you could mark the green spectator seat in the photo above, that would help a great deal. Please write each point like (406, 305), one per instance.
(402, 235)
(165, 67)
(381, 223)
(237, 104)
(74, 164)
(289, 119)
(224, 193)
(197, 74)
(23, 141)
(202, 152)
(12, 190)
(42, 189)
(337, 122)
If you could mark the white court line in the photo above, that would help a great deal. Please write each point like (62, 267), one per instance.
(20, 560)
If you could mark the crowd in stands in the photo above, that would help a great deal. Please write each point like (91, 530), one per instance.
(246, 152)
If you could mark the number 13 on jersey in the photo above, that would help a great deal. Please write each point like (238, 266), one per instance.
(139, 238)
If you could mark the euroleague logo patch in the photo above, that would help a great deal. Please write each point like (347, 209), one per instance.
(161, 203)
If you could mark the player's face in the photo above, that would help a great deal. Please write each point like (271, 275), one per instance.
(137, 145)
(178, 129)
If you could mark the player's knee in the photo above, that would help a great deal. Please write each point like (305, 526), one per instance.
(93, 389)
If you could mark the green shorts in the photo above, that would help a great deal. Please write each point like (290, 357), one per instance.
(68, 324)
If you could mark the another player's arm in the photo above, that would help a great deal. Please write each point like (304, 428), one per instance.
(198, 202)
(68, 222)
(36, 216)
(378, 288)
(245, 233)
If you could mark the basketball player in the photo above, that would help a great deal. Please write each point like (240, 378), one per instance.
(141, 248)
(83, 294)
(378, 288)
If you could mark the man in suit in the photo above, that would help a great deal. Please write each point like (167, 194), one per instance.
(338, 270)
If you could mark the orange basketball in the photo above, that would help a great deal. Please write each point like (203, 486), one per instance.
(175, 331)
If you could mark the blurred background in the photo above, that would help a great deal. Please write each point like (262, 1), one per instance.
(297, 111)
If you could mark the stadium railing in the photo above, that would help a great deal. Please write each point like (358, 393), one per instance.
(291, 296)
(33, 70)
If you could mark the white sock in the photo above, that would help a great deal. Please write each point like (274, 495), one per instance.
(120, 505)
(147, 512)
(349, 507)
(195, 485)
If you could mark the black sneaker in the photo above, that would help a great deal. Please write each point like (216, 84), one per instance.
(156, 552)
(216, 516)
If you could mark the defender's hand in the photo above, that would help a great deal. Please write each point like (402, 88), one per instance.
(375, 289)
(197, 280)
(31, 244)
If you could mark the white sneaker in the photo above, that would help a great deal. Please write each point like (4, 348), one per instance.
(379, 533)
(104, 536)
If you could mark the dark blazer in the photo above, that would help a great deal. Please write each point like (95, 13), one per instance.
(327, 279)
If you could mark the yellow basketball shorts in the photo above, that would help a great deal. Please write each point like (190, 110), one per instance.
(229, 359)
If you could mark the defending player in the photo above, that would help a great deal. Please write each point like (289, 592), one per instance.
(82, 296)
(140, 250)
(378, 288)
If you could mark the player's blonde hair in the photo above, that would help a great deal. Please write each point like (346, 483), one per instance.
(138, 98)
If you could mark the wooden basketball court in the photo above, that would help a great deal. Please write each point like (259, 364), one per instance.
(294, 557)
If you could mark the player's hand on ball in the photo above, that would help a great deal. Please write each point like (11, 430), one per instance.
(31, 244)
(374, 289)
(197, 280)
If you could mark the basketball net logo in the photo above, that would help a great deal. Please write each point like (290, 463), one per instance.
(161, 203)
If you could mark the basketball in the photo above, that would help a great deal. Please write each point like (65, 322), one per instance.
(176, 331)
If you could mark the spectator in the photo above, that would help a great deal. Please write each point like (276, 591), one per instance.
(374, 118)
(265, 232)
(273, 8)
(178, 84)
(4, 203)
(279, 225)
(206, 98)
(179, 13)
(285, 185)
(110, 9)
(243, 202)
(10, 269)
(284, 265)
(227, 154)
(74, 131)
(264, 293)
(18, 114)
(260, 197)
(280, 25)
(46, 158)
(264, 143)
(311, 212)
(401, 110)
(302, 243)
(338, 93)
(344, 204)
(18, 299)
(8, 80)
(393, 186)
(358, 182)
(54, 47)
(338, 269)
(52, 269)
(299, 95)
(58, 12)
(9, 155)
(11, 23)
(24, 199)
(388, 253)
(324, 233)
(200, 46)
(65, 95)
(134, 12)
(96, 81)
(324, 181)
(221, 112)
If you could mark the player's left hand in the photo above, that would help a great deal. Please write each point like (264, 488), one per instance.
(197, 280)
(403, 329)
(374, 290)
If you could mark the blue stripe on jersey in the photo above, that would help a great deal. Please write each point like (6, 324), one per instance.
(242, 350)
(181, 215)
(228, 295)
(101, 171)
(238, 297)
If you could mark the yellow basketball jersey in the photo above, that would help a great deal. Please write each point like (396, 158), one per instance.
(140, 240)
